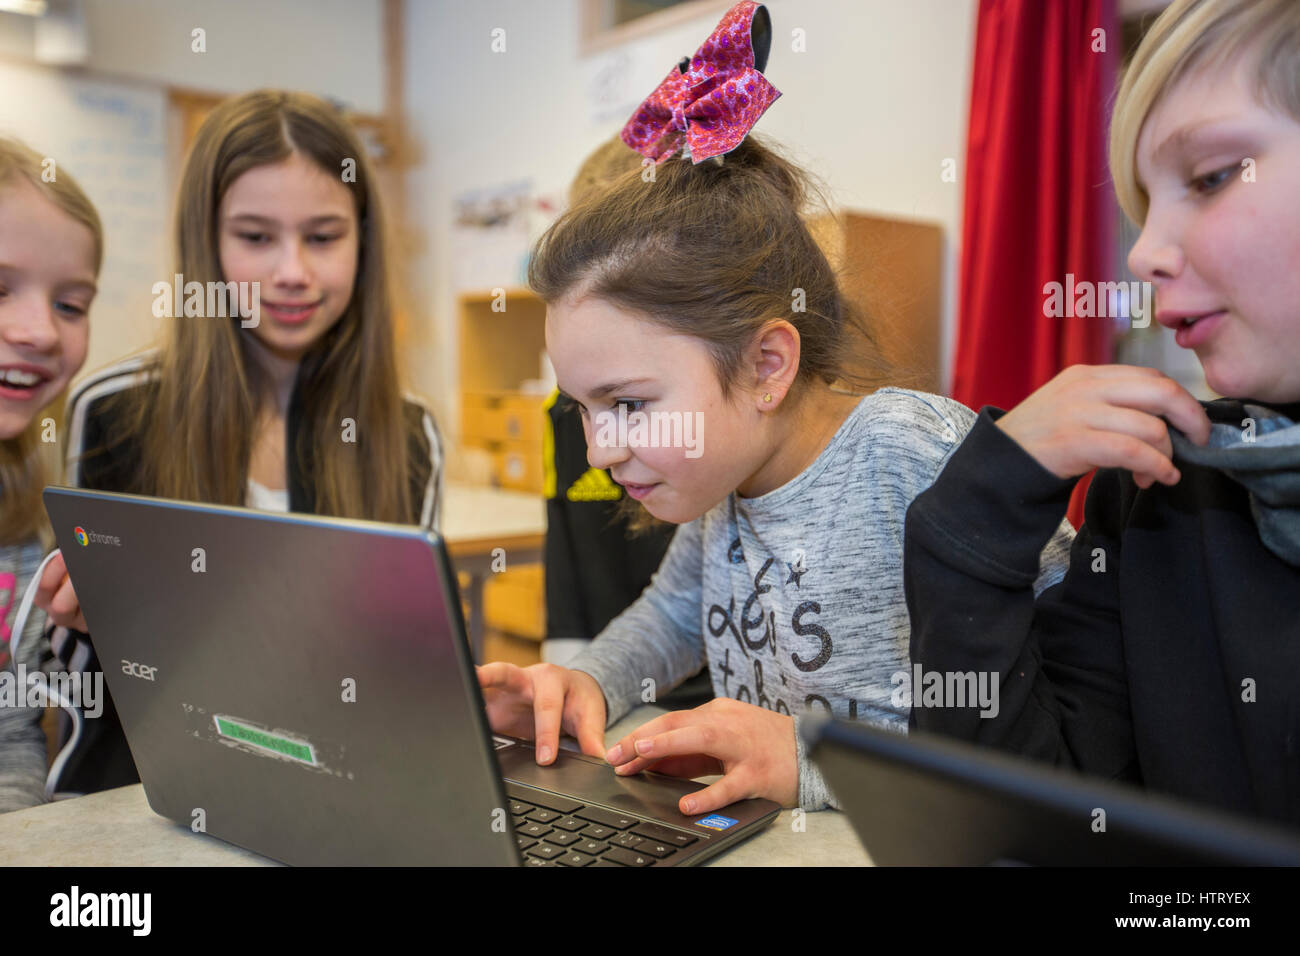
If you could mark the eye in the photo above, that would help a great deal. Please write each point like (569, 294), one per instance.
(256, 238)
(1212, 181)
(322, 238)
(629, 402)
(71, 308)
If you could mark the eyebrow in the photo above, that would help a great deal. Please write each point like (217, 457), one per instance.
(78, 285)
(608, 388)
(327, 219)
(71, 285)
(1193, 133)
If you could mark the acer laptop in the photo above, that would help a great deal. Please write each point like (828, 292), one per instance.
(927, 800)
(303, 687)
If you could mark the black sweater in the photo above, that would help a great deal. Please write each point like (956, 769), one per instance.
(1177, 667)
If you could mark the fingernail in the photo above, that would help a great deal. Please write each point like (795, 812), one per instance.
(615, 754)
(543, 754)
(690, 805)
(644, 747)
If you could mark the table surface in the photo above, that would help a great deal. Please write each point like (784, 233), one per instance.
(117, 828)
(475, 512)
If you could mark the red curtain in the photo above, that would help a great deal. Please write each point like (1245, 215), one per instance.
(1038, 204)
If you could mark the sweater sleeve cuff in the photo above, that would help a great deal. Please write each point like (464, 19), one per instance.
(993, 507)
(813, 793)
(619, 694)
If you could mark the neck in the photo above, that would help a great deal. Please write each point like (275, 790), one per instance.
(801, 434)
(278, 373)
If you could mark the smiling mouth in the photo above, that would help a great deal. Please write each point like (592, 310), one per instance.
(21, 379)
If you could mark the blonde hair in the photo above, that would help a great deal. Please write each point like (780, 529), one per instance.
(1194, 34)
(195, 423)
(24, 468)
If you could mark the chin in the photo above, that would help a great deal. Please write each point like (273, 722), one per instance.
(1230, 385)
(675, 514)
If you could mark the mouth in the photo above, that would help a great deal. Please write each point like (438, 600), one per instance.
(291, 313)
(638, 492)
(22, 381)
(1183, 320)
(1192, 329)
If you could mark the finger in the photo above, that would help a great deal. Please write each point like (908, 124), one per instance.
(1115, 450)
(729, 789)
(589, 723)
(1161, 396)
(51, 578)
(65, 604)
(508, 678)
(548, 710)
(695, 739)
(1129, 421)
(625, 749)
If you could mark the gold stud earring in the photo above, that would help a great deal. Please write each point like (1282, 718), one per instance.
(767, 396)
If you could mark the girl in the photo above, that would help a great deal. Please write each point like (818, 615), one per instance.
(698, 292)
(1170, 654)
(298, 407)
(51, 247)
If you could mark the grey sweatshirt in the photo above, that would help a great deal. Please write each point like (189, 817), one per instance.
(795, 598)
(22, 742)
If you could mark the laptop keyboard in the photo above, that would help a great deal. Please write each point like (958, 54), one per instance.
(557, 831)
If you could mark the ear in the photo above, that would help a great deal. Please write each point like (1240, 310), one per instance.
(773, 357)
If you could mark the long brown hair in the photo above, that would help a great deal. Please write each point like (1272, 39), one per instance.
(24, 468)
(195, 423)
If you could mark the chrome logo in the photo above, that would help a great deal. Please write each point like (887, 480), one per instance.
(83, 539)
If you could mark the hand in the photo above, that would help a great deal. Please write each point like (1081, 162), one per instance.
(1107, 416)
(753, 748)
(55, 596)
(537, 701)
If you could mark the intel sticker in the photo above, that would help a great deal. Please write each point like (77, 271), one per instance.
(716, 821)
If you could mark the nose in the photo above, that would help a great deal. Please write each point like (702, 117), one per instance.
(603, 449)
(30, 323)
(291, 269)
(1157, 254)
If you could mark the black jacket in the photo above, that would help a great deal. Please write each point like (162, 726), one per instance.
(1169, 656)
(99, 458)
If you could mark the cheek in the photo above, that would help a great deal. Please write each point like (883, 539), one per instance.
(239, 262)
(75, 342)
(338, 267)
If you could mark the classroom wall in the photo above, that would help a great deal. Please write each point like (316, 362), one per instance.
(874, 106)
(140, 47)
(330, 47)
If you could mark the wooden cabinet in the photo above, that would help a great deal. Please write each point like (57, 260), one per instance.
(892, 270)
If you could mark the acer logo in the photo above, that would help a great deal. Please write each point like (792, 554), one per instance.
(138, 670)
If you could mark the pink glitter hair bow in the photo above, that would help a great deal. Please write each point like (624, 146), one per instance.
(709, 102)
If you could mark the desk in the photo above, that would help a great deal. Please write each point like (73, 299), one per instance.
(477, 520)
(117, 828)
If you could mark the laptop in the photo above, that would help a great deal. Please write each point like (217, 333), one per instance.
(927, 800)
(302, 687)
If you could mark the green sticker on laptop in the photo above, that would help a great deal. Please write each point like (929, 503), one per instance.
(273, 743)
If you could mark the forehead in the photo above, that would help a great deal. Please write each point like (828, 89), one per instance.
(591, 342)
(1205, 99)
(37, 234)
(291, 189)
